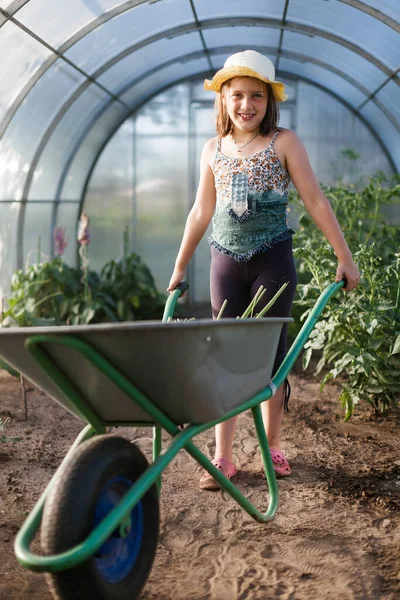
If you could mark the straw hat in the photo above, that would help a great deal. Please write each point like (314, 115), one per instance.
(248, 64)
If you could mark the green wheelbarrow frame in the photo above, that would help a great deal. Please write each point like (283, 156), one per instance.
(119, 517)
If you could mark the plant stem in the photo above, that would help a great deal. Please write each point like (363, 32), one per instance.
(47, 298)
(396, 308)
(375, 221)
(83, 253)
(125, 244)
(273, 300)
(259, 294)
(221, 310)
(23, 388)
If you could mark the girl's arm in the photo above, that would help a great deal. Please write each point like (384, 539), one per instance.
(199, 217)
(318, 206)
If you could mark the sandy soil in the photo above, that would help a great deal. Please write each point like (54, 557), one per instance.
(336, 533)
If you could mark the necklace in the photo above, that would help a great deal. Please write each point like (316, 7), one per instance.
(240, 148)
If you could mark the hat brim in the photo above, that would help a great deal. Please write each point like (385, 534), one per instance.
(216, 83)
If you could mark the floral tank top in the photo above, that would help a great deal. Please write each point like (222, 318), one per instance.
(251, 208)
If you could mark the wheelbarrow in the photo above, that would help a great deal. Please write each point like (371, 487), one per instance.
(99, 515)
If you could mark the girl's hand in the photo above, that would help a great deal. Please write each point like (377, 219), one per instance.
(177, 276)
(350, 272)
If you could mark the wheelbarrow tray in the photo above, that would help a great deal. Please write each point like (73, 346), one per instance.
(194, 371)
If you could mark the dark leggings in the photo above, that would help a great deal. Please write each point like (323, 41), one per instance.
(238, 282)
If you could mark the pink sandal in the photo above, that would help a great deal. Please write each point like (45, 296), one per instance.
(281, 465)
(207, 482)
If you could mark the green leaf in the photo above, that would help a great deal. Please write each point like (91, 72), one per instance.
(8, 368)
(121, 309)
(371, 326)
(347, 403)
(383, 307)
(374, 389)
(110, 314)
(88, 315)
(43, 322)
(327, 377)
(135, 301)
(306, 358)
(321, 364)
(5, 439)
(396, 347)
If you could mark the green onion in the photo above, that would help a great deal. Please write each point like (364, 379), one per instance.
(272, 301)
(250, 309)
(222, 309)
(259, 294)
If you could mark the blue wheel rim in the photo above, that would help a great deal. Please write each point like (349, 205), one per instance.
(117, 556)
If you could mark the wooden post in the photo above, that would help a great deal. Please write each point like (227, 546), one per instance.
(24, 396)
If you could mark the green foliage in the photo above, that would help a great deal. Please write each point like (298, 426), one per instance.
(347, 167)
(4, 439)
(53, 293)
(350, 154)
(131, 285)
(359, 336)
(6, 367)
(41, 294)
(360, 216)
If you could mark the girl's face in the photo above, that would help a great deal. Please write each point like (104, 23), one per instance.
(246, 101)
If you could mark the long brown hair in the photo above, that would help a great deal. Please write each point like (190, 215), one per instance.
(269, 123)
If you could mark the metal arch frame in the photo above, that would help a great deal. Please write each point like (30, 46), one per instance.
(289, 76)
(59, 52)
(282, 33)
(105, 107)
(174, 32)
(38, 153)
(18, 4)
(285, 74)
(14, 7)
(372, 96)
(91, 169)
(64, 172)
(373, 12)
(187, 58)
(353, 110)
(198, 26)
(55, 55)
(74, 152)
(198, 76)
(80, 89)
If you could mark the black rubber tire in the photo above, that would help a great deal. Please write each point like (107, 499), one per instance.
(69, 514)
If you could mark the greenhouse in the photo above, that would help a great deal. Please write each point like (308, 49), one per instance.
(103, 111)
(199, 299)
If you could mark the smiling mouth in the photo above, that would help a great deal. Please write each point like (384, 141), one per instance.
(245, 116)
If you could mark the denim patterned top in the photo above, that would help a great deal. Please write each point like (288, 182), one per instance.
(251, 209)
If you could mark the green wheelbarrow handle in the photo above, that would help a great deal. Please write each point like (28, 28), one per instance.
(305, 331)
(169, 309)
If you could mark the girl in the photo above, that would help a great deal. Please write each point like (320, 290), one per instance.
(244, 176)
